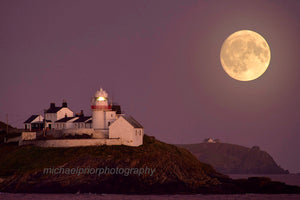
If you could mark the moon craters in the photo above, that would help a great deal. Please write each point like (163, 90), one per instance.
(245, 55)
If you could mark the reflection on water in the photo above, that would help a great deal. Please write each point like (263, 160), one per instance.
(146, 197)
(292, 179)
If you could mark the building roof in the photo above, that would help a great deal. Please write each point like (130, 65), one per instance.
(82, 119)
(65, 119)
(132, 121)
(30, 119)
(89, 121)
(53, 109)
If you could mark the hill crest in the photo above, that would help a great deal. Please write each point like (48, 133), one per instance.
(235, 159)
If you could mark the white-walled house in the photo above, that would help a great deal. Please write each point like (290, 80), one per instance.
(34, 122)
(128, 130)
(83, 122)
(55, 113)
(65, 123)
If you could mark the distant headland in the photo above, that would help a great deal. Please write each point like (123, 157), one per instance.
(234, 159)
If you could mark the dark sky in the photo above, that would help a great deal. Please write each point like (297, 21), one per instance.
(160, 61)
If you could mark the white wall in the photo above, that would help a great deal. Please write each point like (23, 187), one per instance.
(63, 112)
(74, 131)
(110, 117)
(59, 115)
(126, 132)
(101, 118)
(98, 119)
(28, 136)
(38, 119)
(65, 125)
(138, 136)
(80, 125)
(71, 142)
(52, 117)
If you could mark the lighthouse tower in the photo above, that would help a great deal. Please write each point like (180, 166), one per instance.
(102, 115)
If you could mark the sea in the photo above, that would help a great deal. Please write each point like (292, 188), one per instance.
(291, 179)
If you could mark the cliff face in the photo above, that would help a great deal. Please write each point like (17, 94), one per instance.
(176, 171)
(235, 159)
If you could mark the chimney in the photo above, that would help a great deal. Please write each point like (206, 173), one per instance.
(64, 104)
(79, 114)
(52, 105)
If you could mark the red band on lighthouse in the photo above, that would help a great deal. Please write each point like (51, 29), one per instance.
(100, 107)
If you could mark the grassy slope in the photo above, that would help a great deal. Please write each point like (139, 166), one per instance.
(176, 168)
(177, 171)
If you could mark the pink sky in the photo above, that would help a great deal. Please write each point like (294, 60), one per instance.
(160, 61)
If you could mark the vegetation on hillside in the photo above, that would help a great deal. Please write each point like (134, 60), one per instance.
(176, 171)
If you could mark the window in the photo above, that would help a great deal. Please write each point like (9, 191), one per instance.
(108, 123)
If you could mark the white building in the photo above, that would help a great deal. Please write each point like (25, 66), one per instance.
(128, 130)
(55, 113)
(210, 140)
(107, 122)
(65, 123)
(83, 122)
(34, 122)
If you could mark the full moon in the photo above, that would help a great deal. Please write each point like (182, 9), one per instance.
(245, 55)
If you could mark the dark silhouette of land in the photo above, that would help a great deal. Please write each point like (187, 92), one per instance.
(176, 171)
(235, 159)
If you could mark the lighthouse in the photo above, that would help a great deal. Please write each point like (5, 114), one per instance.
(102, 115)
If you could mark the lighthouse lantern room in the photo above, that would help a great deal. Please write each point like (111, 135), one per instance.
(103, 115)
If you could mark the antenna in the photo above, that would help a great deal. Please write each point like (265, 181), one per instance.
(45, 124)
(111, 100)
